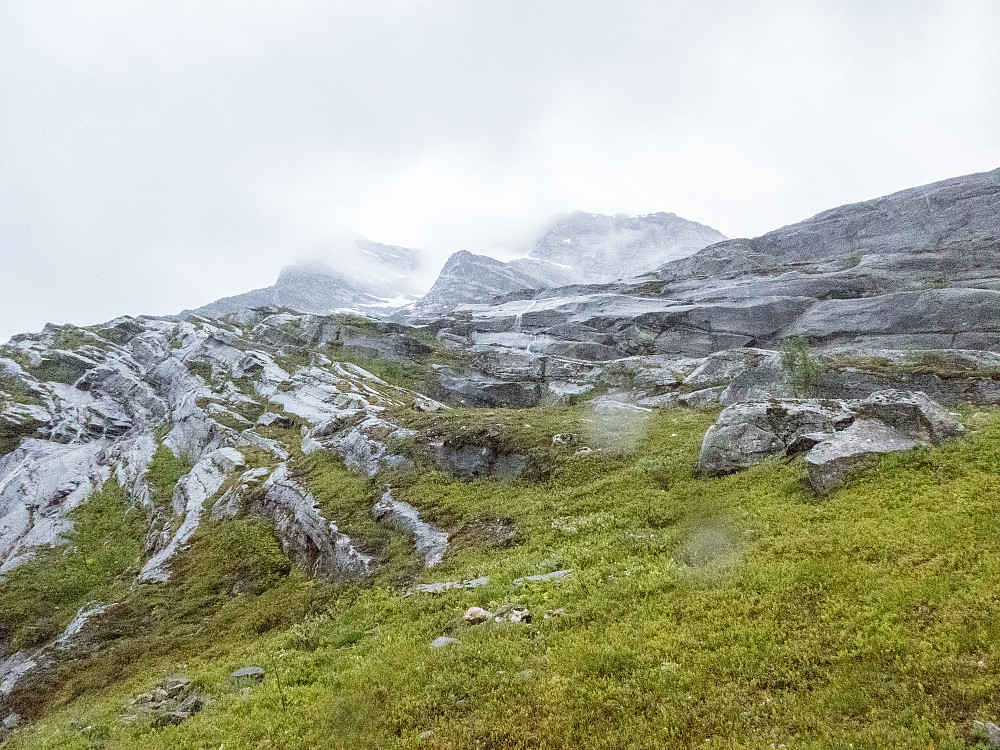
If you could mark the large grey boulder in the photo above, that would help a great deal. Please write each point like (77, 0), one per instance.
(831, 461)
(746, 434)
(838, 434)
(911, 413)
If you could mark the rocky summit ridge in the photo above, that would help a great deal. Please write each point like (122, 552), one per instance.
(579, 247)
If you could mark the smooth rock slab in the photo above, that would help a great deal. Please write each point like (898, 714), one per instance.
(442, 641)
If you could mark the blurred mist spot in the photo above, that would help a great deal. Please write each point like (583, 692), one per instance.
(617, 427)
(709, 546)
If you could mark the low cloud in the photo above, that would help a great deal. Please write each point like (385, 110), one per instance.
(160, 155)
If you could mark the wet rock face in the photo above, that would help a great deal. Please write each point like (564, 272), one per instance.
(475, 389)
(838, 435)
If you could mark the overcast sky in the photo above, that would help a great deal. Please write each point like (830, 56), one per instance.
(158, 155)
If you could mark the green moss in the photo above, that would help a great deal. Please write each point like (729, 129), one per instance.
(404, 374)
(14, 390)
(162, 476)
(59, 368)
(39, 598)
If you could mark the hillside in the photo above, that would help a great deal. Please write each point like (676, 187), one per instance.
(667, 512)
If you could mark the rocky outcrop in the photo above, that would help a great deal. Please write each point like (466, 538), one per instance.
(430, 541)
(192, 491)
(916, 270)
(310, 541)
(837, 435)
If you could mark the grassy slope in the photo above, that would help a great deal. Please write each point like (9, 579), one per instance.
(733, 612)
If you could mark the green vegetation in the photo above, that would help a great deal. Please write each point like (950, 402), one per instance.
(393, 372)
(39, 598)
(801, 366)
(735, 612)
(72, 338)
(201, 369)
(164, 471)
(59, 368)
(14, 390)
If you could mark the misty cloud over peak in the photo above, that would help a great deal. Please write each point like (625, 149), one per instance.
(159, 154)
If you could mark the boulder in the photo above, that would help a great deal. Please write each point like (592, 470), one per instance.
(746, 434)
(831, 461)
(912, 413)
(838, 434)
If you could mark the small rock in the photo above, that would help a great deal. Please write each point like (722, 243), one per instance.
(583, 451)
(425, 404)
(159, 695)
(477, 615)
(519, 615)
(13, 721)
(143, 698)
(987, 730)
(443, 641)
(526, 674)
(426, 734)
(192, 704)
(564, 438)
(246, 674)
(555, 575)
(437, 588)
(513, 613)
(554, 613)
(174, 686)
